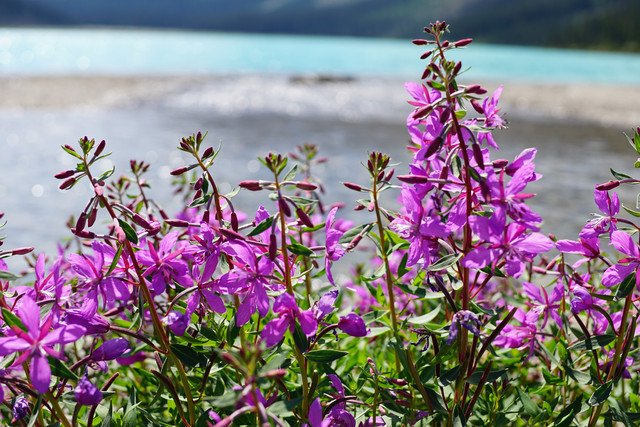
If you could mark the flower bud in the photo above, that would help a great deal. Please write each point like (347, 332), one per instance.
(177, 222)
(110, 350)
(477, 155)
(353, 325)
(251, 185)
(273, 247)
(476, 106)
(67, 184)
(414, 179)
(82, 220)
(86, 393)
(20, 408)
(207, 153)
(230, 234)
(65, 174)
(100, 148)
(303, 185)
(179, 171)
(234, 221)
(476, 89)
(419, 42)
(141, 222)
(462, 42)
(352, 186)
(607, 185)
(304, 218)
(500, 163)
(22, 251)
(284, 207)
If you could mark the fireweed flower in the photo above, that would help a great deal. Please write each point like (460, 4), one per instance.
(91, 276)
(86, 393)
(165, 265)
(333, 249)
(518, 336)
(609, 205)
(20, 408)
(492, 118)
(288, 312)
(631, 264)
(250, 279)
(510, 243)
(353, 325)
(422, 231)
(511, 198)
(588, 247)
(545, 304)
(465, 319)
(37, 342)
(110, 350)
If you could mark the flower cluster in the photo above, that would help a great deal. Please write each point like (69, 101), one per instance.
(463, 311)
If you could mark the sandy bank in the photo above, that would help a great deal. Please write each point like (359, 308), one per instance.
(607, 105)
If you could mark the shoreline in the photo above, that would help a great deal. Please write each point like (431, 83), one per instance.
(596, 104)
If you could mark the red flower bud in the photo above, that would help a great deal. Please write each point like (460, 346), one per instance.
(21, 251)
(463, 42)
(179, 171)
(414, 179)
(100, 148)
(273, 247)
(67, 184)
(207, 153)
(251, 185)
(304, 218)
(606, 186)
(500, 163)
(177, 222)
(303, 185)
(353, 186)
(234, 221)
(65, 174)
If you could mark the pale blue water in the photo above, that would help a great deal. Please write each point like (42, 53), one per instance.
(101, 51)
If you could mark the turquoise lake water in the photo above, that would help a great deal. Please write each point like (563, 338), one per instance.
(102, 51)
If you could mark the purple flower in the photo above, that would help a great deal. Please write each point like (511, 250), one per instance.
(511, 244)
(588, 247)
(422, 231)
(517, 336)
(492, 118)
(467, 320)
(288, 312)
(164, 265)
(87, 316)
(177, 322)
(334, 251)
(37, 342)
(618, 272)
(353, 325)
(545, 304)
(86, 393)
(249, 278)
(325, 305)
(20, 408)
(91, 276)
(609, 205)
(110, 349)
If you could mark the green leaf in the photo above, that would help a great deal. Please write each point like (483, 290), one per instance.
(5, 275)
(444, 262)
(261, 227)
(631, 211)
(72, 152)
(130, 418)
(300, 339)
(349, 235)
(298, 249)
(60, 370)
(188, 355)
(325, 356)
(291, 174)
(129, 232)
(12, 320)
(107, 420)
(449, 376)
(425, 318)
(565, 418)
(618, 175)
(627, 286)
(116, 258)
(106, 174)
(598, 340)
(529, 405)
(601, 394)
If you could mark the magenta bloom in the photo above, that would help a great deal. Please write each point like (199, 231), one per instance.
(512, 244)
(110, 349)
(609, 205)
(353, 325)
(588, 247)
(422, 231)
(164, 265)
(250, 278)
(87, 393)
(334, 251)
(288, 312)
(37, 342)
(492, 118)
(545, 304)
(617, 273)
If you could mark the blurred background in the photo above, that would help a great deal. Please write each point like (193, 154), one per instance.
(267, 75)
